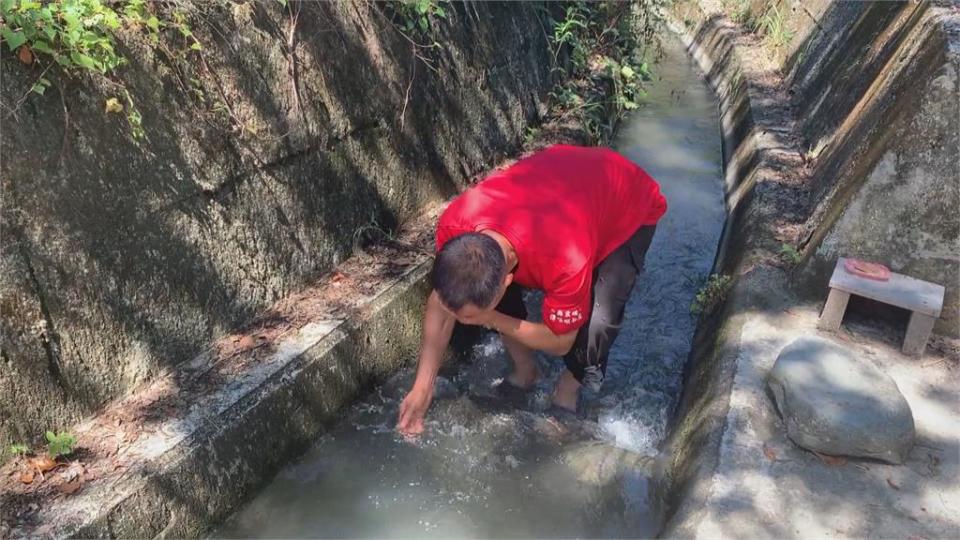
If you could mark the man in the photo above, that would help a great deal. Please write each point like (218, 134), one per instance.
(574, 222)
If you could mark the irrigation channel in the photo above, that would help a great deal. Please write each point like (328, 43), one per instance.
(484, 470)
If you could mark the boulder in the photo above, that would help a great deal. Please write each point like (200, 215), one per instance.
(835, 403)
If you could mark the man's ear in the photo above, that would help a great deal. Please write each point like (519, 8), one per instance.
(507, 280)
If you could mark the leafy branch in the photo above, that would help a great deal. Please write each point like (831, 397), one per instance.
(78, 36)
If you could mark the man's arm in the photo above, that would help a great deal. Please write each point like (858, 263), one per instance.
(437, 328)
(534, 335)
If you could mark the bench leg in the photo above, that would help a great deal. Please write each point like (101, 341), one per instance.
(832, 313)
(918, 332)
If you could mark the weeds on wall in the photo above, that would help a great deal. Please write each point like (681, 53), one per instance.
(18, 450)
(790, 255)
(772, 25)
(77, 36)
(418, 15)
(769, 22)
(711, 294)
(34, 467)
(603, 43)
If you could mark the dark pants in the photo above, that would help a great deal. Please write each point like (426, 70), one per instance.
(613, 280)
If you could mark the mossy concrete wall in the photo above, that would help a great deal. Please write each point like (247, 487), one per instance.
(264, 159)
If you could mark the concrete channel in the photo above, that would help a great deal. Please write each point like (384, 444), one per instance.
(258, 433)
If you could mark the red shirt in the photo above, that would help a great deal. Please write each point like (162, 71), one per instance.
(563, 209)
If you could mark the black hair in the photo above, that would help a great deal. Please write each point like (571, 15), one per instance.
(469, 269)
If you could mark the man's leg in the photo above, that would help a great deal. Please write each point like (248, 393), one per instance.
(612, 282)
(525, 372)
(524, 359)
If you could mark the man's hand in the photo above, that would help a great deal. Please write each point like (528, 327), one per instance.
(412, 410)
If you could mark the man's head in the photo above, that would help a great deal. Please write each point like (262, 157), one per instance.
(470, 275)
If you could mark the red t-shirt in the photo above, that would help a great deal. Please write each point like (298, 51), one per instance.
(563, 209)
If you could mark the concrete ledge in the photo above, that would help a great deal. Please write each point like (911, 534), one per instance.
(179, 454)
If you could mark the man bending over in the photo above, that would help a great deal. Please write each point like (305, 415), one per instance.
(573, 222)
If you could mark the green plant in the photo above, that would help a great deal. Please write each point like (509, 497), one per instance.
(773, 27)
(711, 294)
(628, 82)
(19, 449)
(572, 31)
(75, 34)
(78, 36)
(418, 15)
(741, 12)
(530, 135)
(594, 41)
(60, 444)
(790, 254)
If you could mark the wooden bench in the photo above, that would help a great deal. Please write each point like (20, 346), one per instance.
(922, 298)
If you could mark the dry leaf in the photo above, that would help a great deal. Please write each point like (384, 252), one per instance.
(26, 477)
(113, 105)
(770, 453)
(892, 484)
(25, 55)
(71, 487)
(43, 463)
(831, 461)
(246, 342)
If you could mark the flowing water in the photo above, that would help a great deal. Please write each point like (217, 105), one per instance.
(486, 469)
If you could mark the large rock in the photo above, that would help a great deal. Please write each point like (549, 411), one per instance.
(834, 403)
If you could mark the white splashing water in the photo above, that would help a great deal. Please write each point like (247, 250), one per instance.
(629, 433)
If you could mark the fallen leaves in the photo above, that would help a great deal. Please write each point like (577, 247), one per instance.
(26, 477)
(246, 343)
(770, 453)
(69, 488)
(113, 105)
(25, 55)
(43, 464)
(831, 461)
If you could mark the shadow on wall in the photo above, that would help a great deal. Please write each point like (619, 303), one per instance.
(262, 166)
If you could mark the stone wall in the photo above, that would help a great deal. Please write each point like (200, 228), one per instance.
(261, 167)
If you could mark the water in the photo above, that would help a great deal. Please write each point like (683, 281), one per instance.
(484, 469)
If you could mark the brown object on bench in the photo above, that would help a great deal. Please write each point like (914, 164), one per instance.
(922, 298)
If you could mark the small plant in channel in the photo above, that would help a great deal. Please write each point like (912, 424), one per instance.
(711, 294)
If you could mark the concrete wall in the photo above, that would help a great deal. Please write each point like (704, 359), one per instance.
(886, 146)
(121, 258)
(874, 94)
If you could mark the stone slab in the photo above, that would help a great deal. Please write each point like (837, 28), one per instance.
(901, 291)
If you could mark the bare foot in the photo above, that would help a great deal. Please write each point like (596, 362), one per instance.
(524, 380)
(566, 393)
